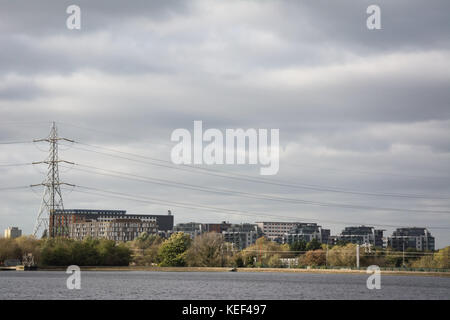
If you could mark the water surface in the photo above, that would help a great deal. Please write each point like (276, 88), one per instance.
(217, 285)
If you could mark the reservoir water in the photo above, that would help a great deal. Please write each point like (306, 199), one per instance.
(217, 285)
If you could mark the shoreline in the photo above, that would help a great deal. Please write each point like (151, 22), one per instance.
(228, 269)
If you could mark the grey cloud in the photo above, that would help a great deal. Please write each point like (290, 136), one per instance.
(25, 91)
(356, 109)
(43, 17)
(406, 25)
(307, 33)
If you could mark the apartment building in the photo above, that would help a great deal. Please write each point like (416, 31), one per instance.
(416, 238)
(13, 232)
(193, 229)
(115, 229)
(306, 232)
(242, 235)
(275, 230)
(362, 235)
(60, 220)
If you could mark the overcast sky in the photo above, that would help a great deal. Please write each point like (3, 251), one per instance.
(364, 111)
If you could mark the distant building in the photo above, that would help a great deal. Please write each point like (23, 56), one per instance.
(217, 227)
(13, 232)
(306, 232)
(362, 235)
(60, 220)
(333, 240)
(416, 238)
(275, 230)
(289, 262)
(115, 229)
(193, 229)
(242, 235)
(165, 234)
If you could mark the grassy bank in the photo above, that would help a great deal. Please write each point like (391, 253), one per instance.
(227, 269)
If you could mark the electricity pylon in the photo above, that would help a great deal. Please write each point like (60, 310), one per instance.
(52, 198)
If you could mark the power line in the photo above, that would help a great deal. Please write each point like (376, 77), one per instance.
(234, 176)
(13, 188)
(14, 164)
(15, 142)
(121, 135)
(176, 184)
(244, 177)
(140, 198)
(20, 122)
(365, 172)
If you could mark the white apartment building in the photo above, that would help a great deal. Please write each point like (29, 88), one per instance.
(276, 230)
(13, 232)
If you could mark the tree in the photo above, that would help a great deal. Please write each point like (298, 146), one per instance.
(56, 252)
(122, 255)
(9, 250)
(237, 261)
(89, 252)
(342, 256)
(299, 245)
(145, 240)
(274, 261)
(442, 258)
(148, 246)
(313, 258)
(207, 250)
(438, 260)
(29, 244)
(94, 252)
(314, 244)
(263, 252)
(172, 252)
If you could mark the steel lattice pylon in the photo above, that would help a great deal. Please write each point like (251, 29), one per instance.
(52, 198)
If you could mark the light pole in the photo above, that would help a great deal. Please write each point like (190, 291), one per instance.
(403, 242)
(357, 256)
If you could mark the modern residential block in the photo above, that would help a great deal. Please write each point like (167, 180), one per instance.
(362, 235)
(61, 220)
(416, 238)
(306, 232)
(116, 229)
(13, 232)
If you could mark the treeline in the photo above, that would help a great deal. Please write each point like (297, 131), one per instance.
(64, 252)
(89, 252)
(18, 247)
(210, 250)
